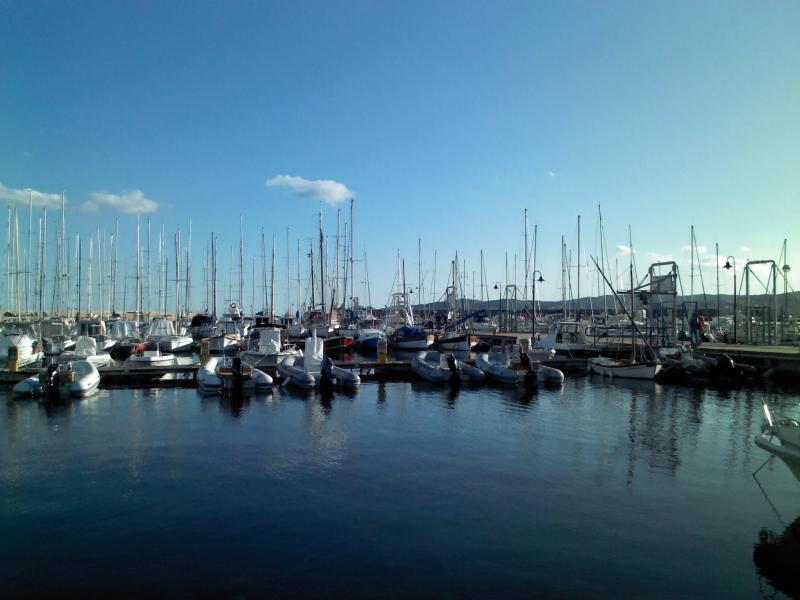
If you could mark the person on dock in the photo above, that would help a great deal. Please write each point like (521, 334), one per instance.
(701, 327)
(693, 323)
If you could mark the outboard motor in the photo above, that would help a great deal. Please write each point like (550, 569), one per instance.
(236, 368)
(455, 372)
(725, 369)
(50, 379)
(326, 370)
(531, 370)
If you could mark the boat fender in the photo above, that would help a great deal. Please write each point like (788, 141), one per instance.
(573, 338)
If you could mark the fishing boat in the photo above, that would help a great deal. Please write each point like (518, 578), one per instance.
(304, 370)
(780, 435)
(218, 375)
(74, 378)
(435, 367)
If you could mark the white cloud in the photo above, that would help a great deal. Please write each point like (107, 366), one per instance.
(745, 249)
(655, 257)
(622, 249)
(327, 190)
(700, 249)
(130, 202)
(39, 199)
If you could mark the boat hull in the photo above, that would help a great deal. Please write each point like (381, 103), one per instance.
(626, 370)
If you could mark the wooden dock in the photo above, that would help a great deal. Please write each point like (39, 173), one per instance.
(783, 361)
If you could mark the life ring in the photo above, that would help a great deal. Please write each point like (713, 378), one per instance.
(573, 338)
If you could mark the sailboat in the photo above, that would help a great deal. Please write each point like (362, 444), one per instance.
(631, 368)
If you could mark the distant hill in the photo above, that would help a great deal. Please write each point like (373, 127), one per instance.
(707, 303)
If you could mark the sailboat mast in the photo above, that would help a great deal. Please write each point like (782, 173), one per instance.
(525, 287)
(241, 261)
(138, 268)
(80, 246)
(352, 248)
(272, 285)
(579, 266)
(264, 269)
(321, 264)
(288, 277)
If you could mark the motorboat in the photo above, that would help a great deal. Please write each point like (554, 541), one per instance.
(73, 378)
(436, 367)
(218, 375)
(202, 325)
(19, 340)
(266, 348)
(305, 369)
(456, 339)
(541, 372)
(56, 335)
(86, 349)
(567, 338)
(368, 339)
(470, 373)
(162, 331)
(497, 366)
(337, 376)
(150, 358)
(780, 436)
(411, 338)
(95, 327)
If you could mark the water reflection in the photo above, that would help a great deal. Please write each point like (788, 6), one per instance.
(777, 558)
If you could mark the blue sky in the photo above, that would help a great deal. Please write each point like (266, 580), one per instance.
(445, 120)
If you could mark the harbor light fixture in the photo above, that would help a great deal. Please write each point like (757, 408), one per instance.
(728, 267)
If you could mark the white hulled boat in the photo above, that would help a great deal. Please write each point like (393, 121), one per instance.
(74, 378)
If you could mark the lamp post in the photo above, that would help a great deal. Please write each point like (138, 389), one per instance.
(785, 269)
(535, 281)
(499, 303)
(728, 267)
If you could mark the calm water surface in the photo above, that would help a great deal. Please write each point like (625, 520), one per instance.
(595, 489)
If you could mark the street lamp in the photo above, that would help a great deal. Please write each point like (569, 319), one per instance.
(728, 267)
(540, 280)
(499, 303)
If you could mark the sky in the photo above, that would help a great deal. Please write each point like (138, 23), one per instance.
(443, 120)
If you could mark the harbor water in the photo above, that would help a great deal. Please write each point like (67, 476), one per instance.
(599, 489)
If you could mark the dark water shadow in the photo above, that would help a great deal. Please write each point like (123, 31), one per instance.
(777, 559)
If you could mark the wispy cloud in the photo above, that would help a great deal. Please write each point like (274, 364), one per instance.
(551, 174)
(700, 249)
(745, 249)
(327, 190)
(656, 257)
(21, 197)
(129, 202)
(622, 249)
